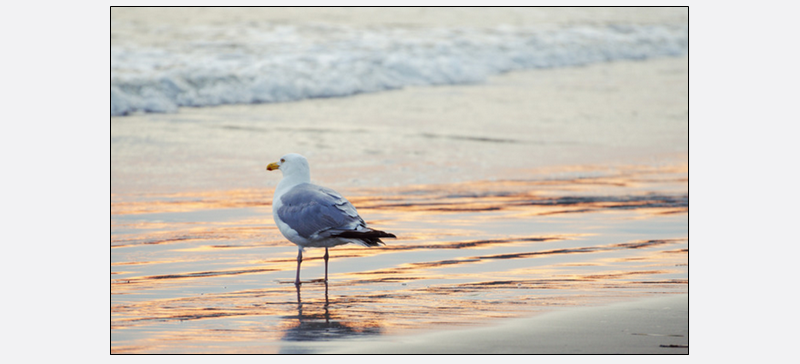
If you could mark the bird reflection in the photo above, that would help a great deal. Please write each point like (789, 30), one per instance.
(316, 321)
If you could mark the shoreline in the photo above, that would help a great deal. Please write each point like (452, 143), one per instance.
(538, 185)
(652, 325)
(389, 135)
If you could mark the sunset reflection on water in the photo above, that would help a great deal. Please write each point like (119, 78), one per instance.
(209, 272)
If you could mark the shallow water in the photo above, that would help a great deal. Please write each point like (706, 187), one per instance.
(209, 272)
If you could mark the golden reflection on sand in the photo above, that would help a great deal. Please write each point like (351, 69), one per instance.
(178, 202)
(208, 272)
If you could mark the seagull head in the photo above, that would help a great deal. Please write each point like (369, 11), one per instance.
(291, 164)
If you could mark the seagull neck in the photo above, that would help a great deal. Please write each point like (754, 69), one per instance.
(293, 180)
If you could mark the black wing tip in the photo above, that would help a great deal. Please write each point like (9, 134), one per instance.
(369, 237)
(386, 235)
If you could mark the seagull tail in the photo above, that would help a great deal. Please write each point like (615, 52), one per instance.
(367, 237)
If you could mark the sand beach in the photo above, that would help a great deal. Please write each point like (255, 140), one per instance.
(546, 208)
(653, 325)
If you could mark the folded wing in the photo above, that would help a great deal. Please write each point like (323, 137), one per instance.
(317, 213)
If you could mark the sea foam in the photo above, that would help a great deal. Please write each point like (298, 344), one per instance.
(271, 62)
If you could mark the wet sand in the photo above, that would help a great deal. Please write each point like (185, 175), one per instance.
(654, 325)
(515, 125)
(539, 191)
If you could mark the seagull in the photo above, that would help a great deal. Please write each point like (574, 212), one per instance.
(314, 216)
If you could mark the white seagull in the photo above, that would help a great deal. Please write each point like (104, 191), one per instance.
(314, 216)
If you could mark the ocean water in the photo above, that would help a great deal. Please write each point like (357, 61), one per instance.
(159, 67)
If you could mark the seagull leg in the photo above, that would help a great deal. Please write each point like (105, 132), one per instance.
(299, 260)
(326, 264)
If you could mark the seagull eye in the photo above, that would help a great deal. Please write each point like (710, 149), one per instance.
(283, 160)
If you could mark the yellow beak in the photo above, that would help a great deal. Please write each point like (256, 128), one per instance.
(272, 166)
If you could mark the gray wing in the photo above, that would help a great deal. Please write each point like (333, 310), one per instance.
(310, 209)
